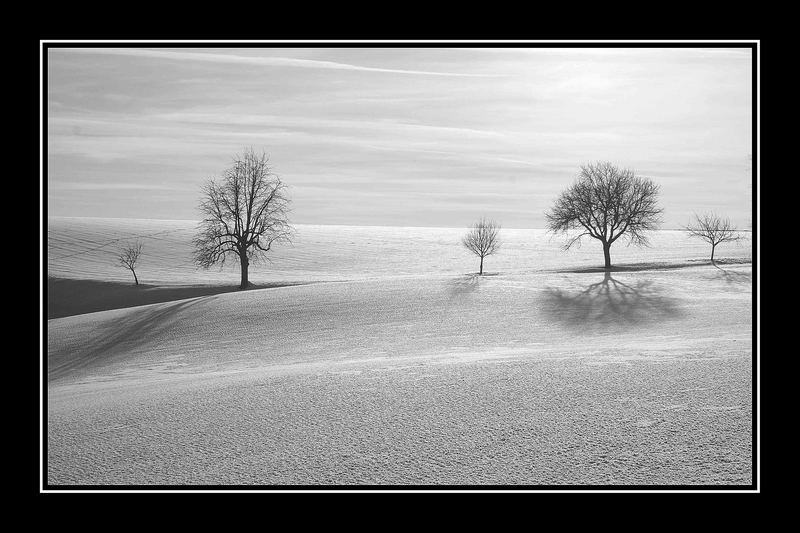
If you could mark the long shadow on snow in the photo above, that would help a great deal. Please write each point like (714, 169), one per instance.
(68, 297)
(139, 326)
(732, 276)
(466, 283)
(610, 302)
(462, 284)
(654, 265)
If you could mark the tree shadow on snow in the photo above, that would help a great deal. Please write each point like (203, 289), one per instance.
(733, 276)
(466, 283)
(611, 302)
(463, 284)
(132, 329)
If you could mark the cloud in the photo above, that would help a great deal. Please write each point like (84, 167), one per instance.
(111, 186)
(363, 144)
(263, 61)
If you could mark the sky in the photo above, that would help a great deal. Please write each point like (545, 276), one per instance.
(435, 136)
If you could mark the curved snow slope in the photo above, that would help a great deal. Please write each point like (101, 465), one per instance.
(531, 378)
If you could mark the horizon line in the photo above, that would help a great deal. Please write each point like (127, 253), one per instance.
(331, 224)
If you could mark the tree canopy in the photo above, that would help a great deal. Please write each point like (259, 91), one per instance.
(606, 203)
(482, 239)
(244, 214)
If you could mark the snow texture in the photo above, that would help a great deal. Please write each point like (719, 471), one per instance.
(406, 368)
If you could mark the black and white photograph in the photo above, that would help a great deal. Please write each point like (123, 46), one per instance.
(431, 266)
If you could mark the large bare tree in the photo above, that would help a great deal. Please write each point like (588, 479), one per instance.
(713, 229)
(483, 239)
(244, 214)
(605, 203)
(128, 255)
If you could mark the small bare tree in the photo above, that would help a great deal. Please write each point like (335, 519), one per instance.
(483, 239)
(128, 255)
(606, 202)
(245, 213)
(713, 229)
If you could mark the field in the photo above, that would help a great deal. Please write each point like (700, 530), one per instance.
(376, 356)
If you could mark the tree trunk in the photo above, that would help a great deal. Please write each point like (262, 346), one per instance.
(712, 252)
(134, 276)
(481, 272)
(607, 254)
(245, 264)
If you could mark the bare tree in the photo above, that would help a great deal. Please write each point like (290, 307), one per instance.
(606, 202)
(245, 213)
(128, 255)
(483, 239)
(714, 230)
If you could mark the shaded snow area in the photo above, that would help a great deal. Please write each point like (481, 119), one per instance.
(521, 377)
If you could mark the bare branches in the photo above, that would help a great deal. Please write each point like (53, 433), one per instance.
(128, 255)
(606, 202)
(483, 239)
(244, 214)
(713, 229)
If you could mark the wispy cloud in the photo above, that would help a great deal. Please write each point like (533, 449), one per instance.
(110, 186)
(267, 61)
(393, 135)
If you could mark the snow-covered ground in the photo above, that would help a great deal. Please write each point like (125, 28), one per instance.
(84, 248)
(404, 367)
